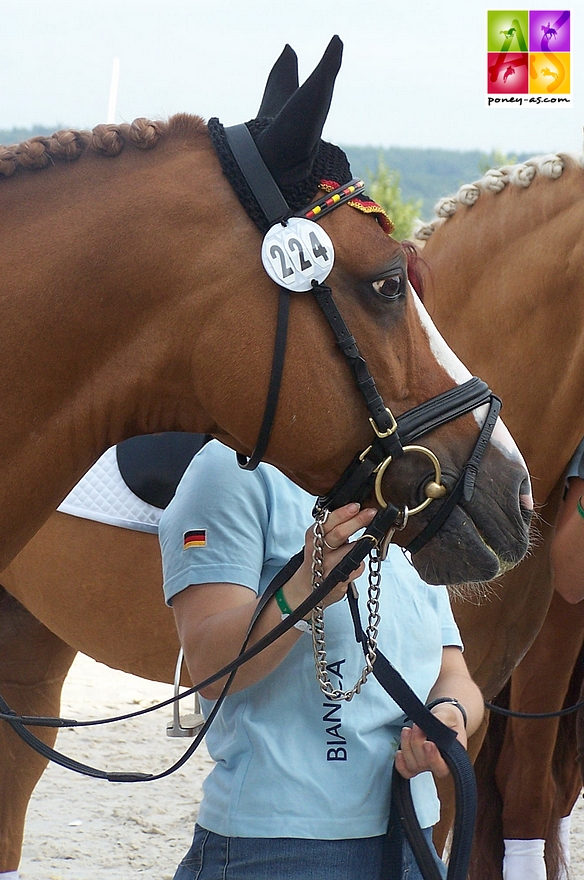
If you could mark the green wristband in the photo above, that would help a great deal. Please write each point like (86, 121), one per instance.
(579, 507)
(282, 604)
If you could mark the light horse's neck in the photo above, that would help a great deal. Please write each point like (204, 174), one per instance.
(510, 274)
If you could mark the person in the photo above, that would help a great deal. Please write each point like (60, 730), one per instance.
(568, 541)
(301, 785)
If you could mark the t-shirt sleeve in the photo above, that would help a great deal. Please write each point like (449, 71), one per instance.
(213, 531)
(576, 465)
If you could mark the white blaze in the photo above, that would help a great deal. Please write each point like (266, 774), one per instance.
(501, 436)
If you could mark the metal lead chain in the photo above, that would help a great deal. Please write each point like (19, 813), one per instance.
(318, 635)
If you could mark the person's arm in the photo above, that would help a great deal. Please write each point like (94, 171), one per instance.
(567, 548)
(212, 618)
(417, 754)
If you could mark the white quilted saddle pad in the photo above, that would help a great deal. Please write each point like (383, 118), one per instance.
(102, 495)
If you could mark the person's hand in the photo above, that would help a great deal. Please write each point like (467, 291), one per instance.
(339, 526)
(418, 754)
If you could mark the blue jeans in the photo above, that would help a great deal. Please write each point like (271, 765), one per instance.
(214, 857)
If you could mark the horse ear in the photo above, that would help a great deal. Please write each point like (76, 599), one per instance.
(289, 145)
(282, 83)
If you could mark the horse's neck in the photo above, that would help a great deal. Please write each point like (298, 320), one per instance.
(506, 290)
(93, 329)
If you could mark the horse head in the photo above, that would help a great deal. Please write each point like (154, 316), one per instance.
(399, 352)
(136, 301)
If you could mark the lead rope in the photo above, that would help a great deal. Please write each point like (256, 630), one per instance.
(397, 688)
(317, 616)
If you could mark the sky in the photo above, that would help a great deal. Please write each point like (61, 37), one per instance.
(413, 73)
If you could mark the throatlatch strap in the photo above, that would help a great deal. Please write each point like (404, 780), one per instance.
(251, 463)
(275, 208)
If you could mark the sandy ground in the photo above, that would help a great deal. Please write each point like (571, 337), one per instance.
(79, 828)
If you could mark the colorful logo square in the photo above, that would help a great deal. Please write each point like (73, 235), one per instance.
(508, 73)
(549, 30)
(549, 74)
(507, 30)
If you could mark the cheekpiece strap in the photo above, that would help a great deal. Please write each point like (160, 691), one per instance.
(383, 420)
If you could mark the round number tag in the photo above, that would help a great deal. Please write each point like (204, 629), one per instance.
(297, 254)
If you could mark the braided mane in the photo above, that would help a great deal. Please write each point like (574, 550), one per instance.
(106, 140)
(494, 181)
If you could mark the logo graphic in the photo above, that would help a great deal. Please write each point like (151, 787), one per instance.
(528, 57)
(195, 538)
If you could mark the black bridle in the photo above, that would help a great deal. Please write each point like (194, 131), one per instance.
(393, 436)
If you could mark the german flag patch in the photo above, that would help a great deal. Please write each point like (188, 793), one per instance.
(195, 538)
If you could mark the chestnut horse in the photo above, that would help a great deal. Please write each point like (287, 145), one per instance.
(134, 301)
(516, 238)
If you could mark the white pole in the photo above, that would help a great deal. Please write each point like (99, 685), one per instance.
(113, 96)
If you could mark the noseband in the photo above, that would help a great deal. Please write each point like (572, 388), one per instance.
(393, 437)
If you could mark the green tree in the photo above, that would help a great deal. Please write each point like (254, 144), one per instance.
(496, 159)
(17, 135)
(384, 188)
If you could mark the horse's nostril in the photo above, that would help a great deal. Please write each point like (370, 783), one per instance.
(525, 496)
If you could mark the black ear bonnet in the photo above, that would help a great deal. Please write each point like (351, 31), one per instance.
(287, 134)
(330, 163)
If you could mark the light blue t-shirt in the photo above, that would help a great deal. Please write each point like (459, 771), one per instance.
(291, 762)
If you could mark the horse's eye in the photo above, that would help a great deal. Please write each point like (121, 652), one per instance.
(391, 287)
